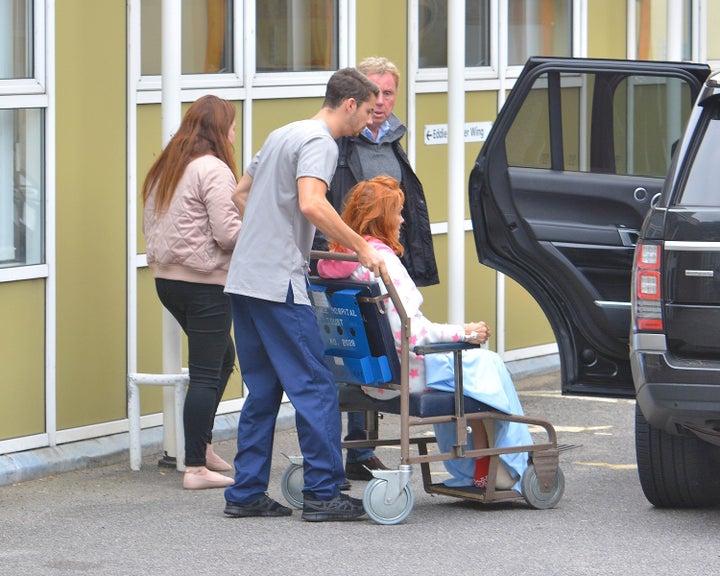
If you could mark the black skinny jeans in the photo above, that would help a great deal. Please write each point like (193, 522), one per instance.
(205, 315)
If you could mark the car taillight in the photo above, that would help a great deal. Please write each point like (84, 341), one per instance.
(648, 287)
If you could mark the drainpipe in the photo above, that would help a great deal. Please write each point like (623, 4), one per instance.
(171, 116)
(456, 161)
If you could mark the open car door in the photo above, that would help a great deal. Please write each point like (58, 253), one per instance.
(560, 190)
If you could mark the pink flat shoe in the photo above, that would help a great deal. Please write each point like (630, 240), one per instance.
(217, 464)
(201, 478)
(214, 462)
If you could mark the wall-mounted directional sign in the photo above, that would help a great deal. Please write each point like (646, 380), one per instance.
(438, 133)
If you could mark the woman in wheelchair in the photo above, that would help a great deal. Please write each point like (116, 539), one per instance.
(373, 209)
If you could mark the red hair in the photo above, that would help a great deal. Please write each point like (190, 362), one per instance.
(204, 130)
(371, 209)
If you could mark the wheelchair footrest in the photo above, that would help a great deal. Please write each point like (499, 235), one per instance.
(470, 492)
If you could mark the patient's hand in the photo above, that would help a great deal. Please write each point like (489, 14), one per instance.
(477, 332)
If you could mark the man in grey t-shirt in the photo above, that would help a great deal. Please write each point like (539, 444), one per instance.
(378, 151)
(282, 198)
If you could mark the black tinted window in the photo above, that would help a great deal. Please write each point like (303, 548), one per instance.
(607, 123)
(701, 185)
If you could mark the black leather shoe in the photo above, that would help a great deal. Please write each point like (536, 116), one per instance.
(263, 506)
(359, 470)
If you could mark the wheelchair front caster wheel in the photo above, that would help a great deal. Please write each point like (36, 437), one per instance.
(292, 485)
(384, 512)
(536, 497)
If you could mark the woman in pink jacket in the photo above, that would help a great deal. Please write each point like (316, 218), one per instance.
(373, 209)
(191, 225)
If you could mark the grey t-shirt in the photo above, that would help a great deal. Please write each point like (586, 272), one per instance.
(273, 248)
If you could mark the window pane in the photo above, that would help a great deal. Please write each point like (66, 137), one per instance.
(21, 188)
(538, 28)
(433, 33)
(207, 45)
(649, 116)
(528, 140)
(701, 187)
(297, 35)
(601, 123)
(652, 31)
(16, 39)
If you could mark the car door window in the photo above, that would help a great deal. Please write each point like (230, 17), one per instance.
(648, 122)
(528, 140)
(701, 186)
(604, 123)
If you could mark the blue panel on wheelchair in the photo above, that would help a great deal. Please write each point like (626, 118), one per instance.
(366, 370)
(349, 330)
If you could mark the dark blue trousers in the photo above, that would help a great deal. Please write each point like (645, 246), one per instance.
(280, 349)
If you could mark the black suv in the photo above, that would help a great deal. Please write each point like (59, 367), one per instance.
(597, 190)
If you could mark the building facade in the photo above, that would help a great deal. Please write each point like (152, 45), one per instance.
(81, 122)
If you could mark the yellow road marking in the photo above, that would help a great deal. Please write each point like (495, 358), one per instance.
(558, 394)
(611, 466)
(534, 428)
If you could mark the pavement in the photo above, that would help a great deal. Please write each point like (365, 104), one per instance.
(86, 512)
(104, 519)
(114, 449)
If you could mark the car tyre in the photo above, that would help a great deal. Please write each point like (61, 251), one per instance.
(676, 471)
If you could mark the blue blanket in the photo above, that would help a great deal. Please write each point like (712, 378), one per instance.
(485, 379)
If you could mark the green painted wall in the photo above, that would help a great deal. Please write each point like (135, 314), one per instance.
(432, 161)
(271, 114)
(91, 221)
(149, 344)
(22, 357)
(713, 41)
(607, 29)
(149, 146)
(525, 322)
(388, 39)
(480, 293)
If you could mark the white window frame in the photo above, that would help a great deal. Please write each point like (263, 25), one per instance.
(36, 84)
(700, 19)
(315, 77)
(31, 93)
(432, 76)
(578, 39)
(244, 79)
(698, 33)
(39, 93)
(430, 80)
(152, 83)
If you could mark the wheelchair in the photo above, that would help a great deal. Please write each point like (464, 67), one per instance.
(360, 351)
